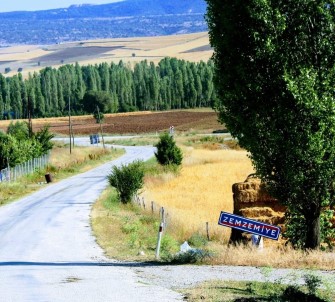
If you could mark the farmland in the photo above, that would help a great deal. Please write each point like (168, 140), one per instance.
(191, 47)
(132, 123)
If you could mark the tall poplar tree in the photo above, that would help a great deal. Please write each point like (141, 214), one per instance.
(275, 76)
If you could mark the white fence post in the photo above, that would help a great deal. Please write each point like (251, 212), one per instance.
(11, 174)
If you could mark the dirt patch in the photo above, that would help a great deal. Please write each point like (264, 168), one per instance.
(132, 123)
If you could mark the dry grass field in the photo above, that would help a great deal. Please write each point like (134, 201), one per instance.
(191, 198)
(201, 191)
(191, 47)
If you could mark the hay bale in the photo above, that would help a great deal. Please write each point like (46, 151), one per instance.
(264, 214)
(251, 200)
(252, 193)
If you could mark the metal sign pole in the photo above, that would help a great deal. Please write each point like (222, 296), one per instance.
(160, 234)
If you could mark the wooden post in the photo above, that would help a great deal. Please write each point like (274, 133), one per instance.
(70, 127)
(152, 207)
(163, 217)
(207, 231)
(102, 136)
(143, 202)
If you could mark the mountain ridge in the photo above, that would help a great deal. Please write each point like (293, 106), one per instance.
(130, 18)
(114, 9)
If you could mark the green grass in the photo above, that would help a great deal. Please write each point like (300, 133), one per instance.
(215, 291)
(125, 232)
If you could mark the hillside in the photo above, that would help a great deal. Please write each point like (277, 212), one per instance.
(190, 47)
(130, 18)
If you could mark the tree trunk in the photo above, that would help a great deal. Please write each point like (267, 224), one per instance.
(313, 232)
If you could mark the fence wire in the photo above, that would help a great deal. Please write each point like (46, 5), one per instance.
(11, 174)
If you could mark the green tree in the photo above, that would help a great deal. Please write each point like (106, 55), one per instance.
(101, 99)
(15, 96)
(168, 153)
(274, 66)
(127, 180)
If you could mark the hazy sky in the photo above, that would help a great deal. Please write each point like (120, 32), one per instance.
(15, 5)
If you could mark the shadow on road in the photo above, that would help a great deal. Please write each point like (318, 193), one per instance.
(69, 264)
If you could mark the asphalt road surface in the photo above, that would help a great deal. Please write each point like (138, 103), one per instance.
(48, 253)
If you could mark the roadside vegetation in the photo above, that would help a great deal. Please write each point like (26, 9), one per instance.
(62, 164)
(192, 196)
(316, 289)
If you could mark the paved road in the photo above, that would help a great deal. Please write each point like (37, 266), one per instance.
(48, 253)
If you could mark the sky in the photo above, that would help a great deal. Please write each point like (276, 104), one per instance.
(16, 5)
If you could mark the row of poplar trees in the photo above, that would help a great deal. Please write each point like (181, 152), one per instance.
(171, 84)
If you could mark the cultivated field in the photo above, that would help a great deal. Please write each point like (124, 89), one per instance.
(204, 120)
(191, 47)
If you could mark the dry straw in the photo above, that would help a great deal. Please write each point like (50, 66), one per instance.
(201, 191)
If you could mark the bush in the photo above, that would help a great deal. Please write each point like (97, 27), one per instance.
(99, 117)
(191, 256)
(197, 240)
(19, 130)
(44, 137)
(167, 151)
(127, 180)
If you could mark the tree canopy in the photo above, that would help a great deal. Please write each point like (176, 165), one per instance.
(171, 84)
(275, 75)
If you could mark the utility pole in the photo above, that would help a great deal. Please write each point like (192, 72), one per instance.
(70, 126)
(30, 123)
(102, 136)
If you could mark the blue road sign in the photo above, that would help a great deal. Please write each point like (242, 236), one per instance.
(94, 139)
(249, 225)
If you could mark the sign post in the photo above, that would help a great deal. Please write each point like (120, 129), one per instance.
(249, 225)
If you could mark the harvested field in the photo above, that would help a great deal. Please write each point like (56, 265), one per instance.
(76, 52)
(191, 47)
(132, 123)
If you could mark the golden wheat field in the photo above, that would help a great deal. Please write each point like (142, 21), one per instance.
(192, 47)
(201, 191)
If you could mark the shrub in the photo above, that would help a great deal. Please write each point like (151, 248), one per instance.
(197, 240)
(167, 151)
(127, 180)
(19, 130)
(99, 117)
(44, 137)
(191, 256)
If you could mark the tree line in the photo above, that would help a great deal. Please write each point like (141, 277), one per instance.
(171, 84)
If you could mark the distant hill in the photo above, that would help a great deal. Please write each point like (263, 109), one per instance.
(128, 18)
